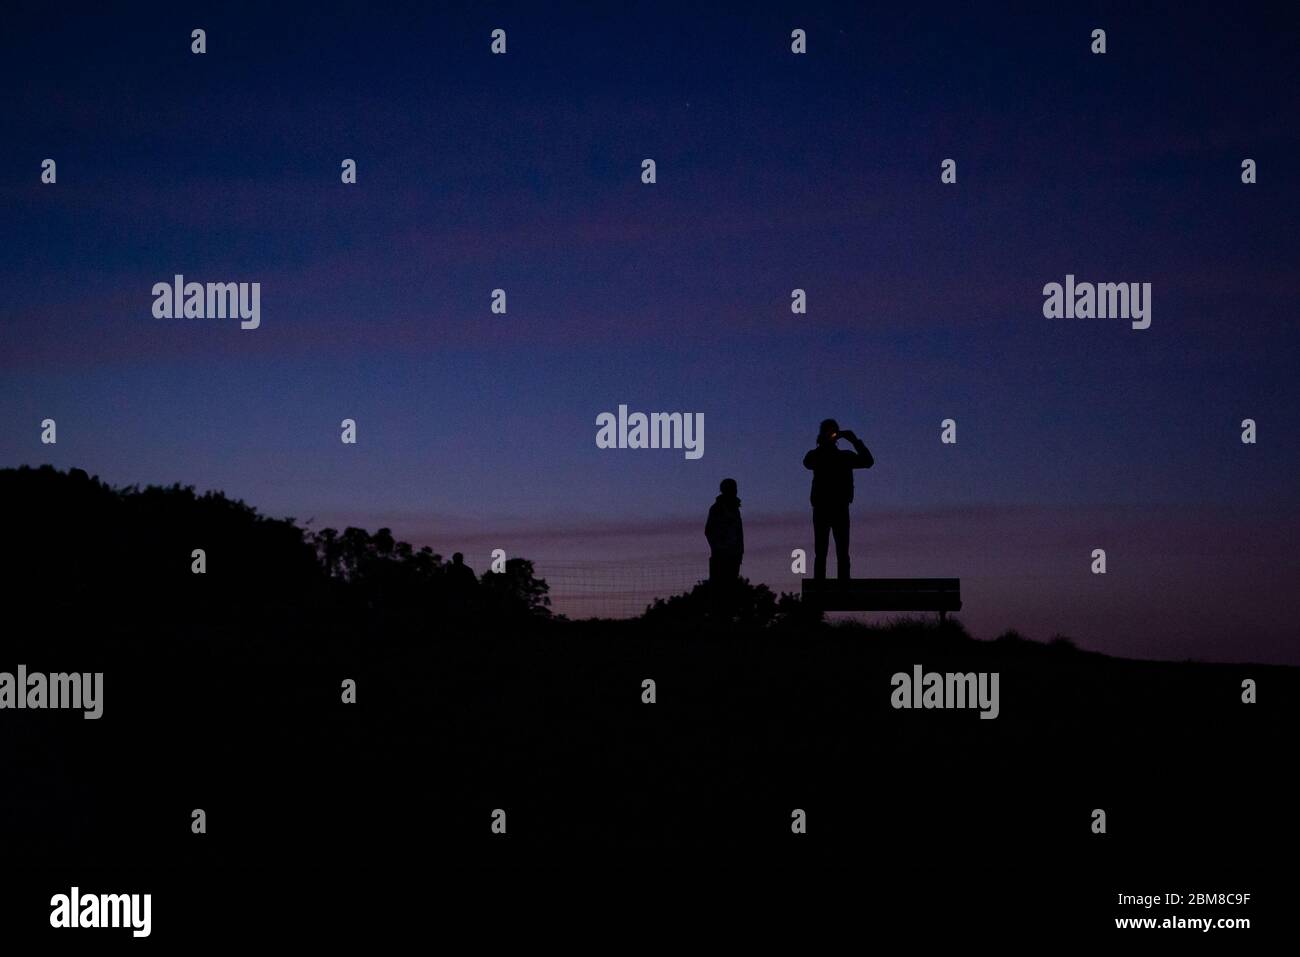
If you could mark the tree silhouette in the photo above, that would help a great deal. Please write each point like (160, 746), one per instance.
(125, 555)
(516, 592)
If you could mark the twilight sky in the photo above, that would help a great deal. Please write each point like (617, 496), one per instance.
(775, 171)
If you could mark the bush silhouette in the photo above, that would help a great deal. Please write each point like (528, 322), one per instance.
(738, 603)
(80, 549)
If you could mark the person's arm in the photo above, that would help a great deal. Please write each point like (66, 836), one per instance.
(862, 455)
(711, 527)
(810, 460)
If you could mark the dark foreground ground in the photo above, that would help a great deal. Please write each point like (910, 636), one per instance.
(326, 819)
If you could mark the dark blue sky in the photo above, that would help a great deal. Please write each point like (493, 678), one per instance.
(775, 171)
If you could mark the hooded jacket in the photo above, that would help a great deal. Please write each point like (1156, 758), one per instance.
(723, 529)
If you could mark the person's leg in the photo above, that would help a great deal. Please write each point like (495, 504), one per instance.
(723, 571)
(716, 588)
(842, 543)
(821, 542)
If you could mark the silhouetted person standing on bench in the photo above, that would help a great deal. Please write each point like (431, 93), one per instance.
(726, 535)
(832, 491)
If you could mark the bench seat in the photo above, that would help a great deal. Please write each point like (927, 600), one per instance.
(884, 594)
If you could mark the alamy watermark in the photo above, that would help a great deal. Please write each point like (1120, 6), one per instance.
(1104, 300)
(84, 690)
(931, 689)
(75, 909)
(214, 300)
(658, 430)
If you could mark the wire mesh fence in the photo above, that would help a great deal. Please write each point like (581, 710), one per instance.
(615, 589)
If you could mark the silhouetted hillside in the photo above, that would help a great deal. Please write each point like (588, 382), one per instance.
(227, 698)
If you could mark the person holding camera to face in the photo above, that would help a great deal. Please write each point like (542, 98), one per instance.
(832, 492)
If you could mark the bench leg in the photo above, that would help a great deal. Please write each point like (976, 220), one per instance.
(943, 616)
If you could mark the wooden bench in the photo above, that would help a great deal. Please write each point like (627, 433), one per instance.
(884, 594)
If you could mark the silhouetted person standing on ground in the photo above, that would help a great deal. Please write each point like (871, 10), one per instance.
(832, 491)
(725, 534)
(462, 588)
(460, 575)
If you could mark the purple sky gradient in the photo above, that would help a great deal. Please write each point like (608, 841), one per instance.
(522, 172)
